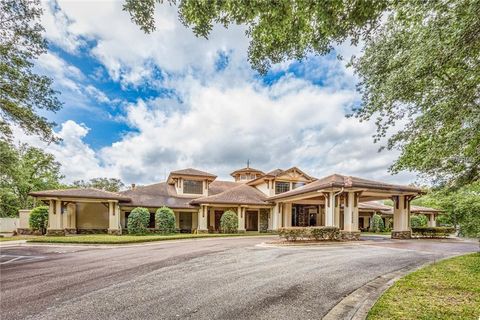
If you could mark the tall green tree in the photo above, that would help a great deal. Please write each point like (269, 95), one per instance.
(420, 67)
(24, 169)
(23, 92)
(107, 184)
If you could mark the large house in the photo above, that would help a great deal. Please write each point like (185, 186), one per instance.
(262, 201)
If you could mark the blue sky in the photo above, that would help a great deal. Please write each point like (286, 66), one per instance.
(137, 106)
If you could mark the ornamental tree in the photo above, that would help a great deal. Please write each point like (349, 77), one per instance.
(138, 220)
(229, 222)
(165, 220)
(38, 219)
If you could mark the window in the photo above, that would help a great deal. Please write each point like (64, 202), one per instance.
(193, 186)
(281, 187)
(296, 185)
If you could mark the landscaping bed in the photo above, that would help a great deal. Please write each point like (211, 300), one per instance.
(122, 239)
(445, 290)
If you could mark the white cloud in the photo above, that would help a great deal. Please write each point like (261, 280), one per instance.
(218, 119)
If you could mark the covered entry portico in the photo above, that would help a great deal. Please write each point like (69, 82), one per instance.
(334, 201)
(72, 211)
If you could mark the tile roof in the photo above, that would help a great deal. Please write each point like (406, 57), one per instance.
(339, 181)
(81, 193)
(241, 194)
(164, 194)
(193, 172)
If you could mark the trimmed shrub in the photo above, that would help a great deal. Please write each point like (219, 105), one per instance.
(38, 219)
(309, 233)
(165, 220)
(376, 223)
(418, 221)
(229, 222)
(432, 232)
(138, 220)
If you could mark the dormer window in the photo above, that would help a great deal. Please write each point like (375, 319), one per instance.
(193, 186)
(296, 185)
(281, 187)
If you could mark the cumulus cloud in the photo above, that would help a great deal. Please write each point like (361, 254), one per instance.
(220, 113)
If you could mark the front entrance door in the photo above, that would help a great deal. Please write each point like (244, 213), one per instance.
(185, 221)
(218, 216)
(251, 220)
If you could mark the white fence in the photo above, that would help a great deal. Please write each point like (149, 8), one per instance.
(9, 224)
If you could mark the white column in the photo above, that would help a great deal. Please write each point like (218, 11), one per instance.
(366, 221)
(287, 214)
(348, 206)
(276, 217)
(177, 219)
(400, 216)
(337, 211)
(241, 219)
(52, 222)
(432, 222)
(202, 219)
(329, 209)
(114, 218)
(355, 211)
(270, 218)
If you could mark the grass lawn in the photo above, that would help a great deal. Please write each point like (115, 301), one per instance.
(449, 289)
(3, 239)
(112, 239)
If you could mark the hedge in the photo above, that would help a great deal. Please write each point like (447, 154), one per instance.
(310, 233)
(165, 220)
(229, 222)
(432, 232)
(138, 220)
(38, 219)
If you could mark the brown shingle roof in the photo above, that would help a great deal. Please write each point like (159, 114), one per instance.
(339, 181)
(193, 172)
(81, 193)
(157, 195)
(241, 194)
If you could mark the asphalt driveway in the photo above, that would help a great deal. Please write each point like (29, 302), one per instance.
(235, 278)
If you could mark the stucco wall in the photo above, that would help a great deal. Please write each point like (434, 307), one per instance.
(24, 217)
(92, 216)
(9, 224)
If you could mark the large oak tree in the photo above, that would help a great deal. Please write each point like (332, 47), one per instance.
(420, 64)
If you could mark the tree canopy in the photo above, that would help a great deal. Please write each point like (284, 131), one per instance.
(419, 68)
(23, 92)
(24, 169)
(107, 184)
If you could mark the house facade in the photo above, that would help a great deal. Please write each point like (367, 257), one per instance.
(263, 202)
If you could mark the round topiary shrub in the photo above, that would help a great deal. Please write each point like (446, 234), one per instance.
(376, 224)
(39, 219)
(418, 221)
(165, 220)
(138, 220)
(229, 222)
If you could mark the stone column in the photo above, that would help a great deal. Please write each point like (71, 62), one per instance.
(401, 216)
(275, 217)
(55, 220)
(241, 219)
(329, 209)
(114, 218)
(202, 219)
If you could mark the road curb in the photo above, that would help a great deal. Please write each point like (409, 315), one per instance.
(356, 305)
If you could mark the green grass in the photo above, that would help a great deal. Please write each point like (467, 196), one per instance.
(449, 289)
(112, 239)
(4, 239)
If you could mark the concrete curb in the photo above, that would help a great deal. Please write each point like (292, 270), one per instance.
(356, 305)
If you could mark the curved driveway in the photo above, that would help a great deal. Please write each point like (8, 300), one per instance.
(234, 278)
